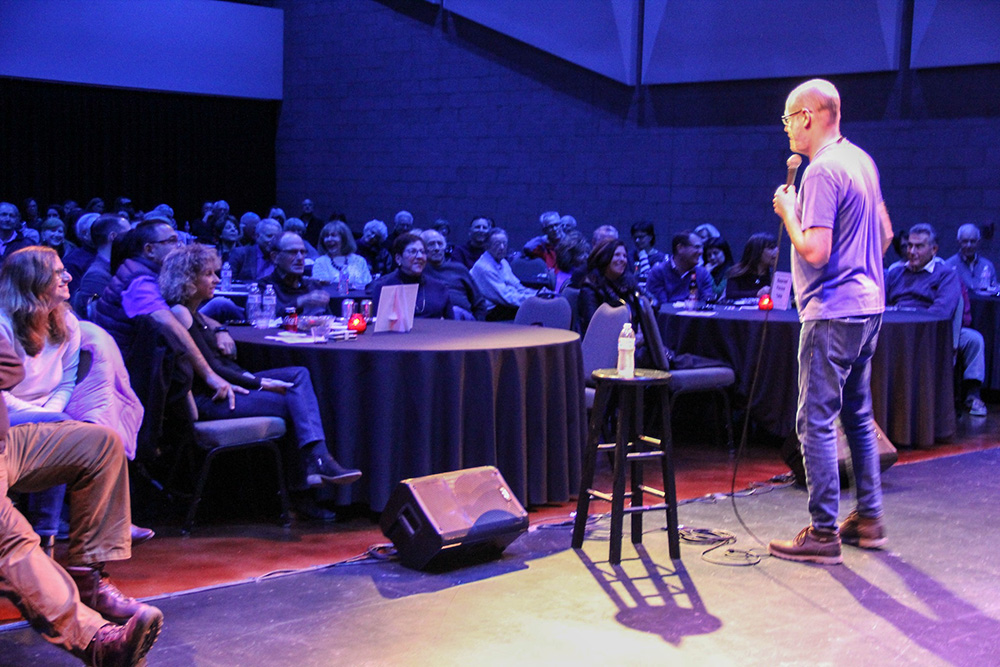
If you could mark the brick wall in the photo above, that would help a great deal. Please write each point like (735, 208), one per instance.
(387, 106)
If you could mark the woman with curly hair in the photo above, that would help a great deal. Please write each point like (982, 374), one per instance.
(188, 279)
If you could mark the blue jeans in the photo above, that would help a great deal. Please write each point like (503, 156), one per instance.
(835, 381)
(297, 406)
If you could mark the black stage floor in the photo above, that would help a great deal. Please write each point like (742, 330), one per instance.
(931, 598)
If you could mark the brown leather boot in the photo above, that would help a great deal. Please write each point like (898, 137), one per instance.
(125, 645)
(98, 593)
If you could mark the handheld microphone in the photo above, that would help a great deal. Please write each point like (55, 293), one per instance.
(794, 161)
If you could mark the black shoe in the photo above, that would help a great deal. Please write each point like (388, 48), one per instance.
(306, 509)
(140, 534)
(125, 645)
(322, 470)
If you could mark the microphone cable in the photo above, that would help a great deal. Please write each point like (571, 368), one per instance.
(746, 418)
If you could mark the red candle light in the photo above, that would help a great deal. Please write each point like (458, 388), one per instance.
(357, 323)
(765, 302)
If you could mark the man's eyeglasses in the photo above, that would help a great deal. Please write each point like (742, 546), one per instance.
(173, 240)
(414, 252)
(787, 118)
(295, 251)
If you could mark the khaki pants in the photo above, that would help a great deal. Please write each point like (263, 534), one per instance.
(90, 461)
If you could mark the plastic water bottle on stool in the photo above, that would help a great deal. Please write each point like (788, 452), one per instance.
(626, 352)
(226, 278)
(253, 304)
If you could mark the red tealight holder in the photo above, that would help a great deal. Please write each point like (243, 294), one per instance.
(765, 302)
(357, 323)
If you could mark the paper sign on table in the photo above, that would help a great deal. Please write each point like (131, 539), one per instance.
(781, 290)
(396, 305)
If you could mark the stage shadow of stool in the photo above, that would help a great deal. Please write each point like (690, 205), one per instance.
(632, 449)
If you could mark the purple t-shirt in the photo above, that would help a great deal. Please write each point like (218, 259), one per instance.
(840, 191)
(143, 297)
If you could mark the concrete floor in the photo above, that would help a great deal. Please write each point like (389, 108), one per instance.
(931, 598)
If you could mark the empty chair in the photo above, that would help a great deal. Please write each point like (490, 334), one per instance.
(600, 343)
(716, 379)
(550, 311)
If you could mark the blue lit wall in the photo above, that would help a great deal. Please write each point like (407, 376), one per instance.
(387, 106)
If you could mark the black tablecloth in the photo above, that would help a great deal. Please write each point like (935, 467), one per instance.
(447, 395)
(986, 320)
(912, 374)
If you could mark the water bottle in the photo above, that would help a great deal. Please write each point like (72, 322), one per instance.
(344, 285)
(626, 352)
(226, 283)
(269, 305)
(984, 278)
(253, 304)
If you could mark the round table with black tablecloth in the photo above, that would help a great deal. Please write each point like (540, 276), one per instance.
(986, 320)
(445, 396)
(912, 371)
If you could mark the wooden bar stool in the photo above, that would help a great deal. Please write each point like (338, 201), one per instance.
(633, 448)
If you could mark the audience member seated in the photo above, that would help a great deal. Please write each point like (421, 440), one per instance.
(253, 262)
(31, 217)
(568, 223)
(469, 252)
(433, 299)
(340, 258)
(504, 293)
(609, 280)
(462, 288)
(53, 235)
(718, 260)
(372, 248)
(299, 227)
(36, 322)
(11, 237)
(103, 233)
(248, 228)
(78, 260)
(204, 230)
(443, 227)
(291, 287)
(227, 237)
(314, 224)
(71, 611)
(976, 271)
(402, 223)
(277, 214)
(571, 261)
(901, 245)
(544, 246)
(134, 292)
(645, 256)
(187, 280)
(95, 205)
(928, 284)
(751, 277)
(707, 231)
(603, 233)
(673, 279)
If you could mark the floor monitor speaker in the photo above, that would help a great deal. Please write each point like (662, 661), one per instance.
(453, 518)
